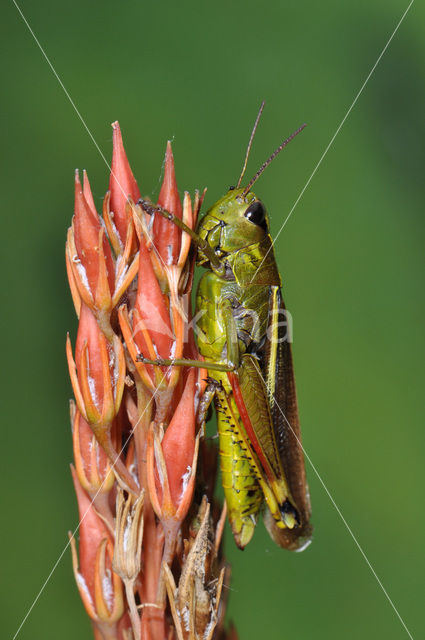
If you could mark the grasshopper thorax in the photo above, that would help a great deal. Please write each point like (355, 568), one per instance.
(234, 222)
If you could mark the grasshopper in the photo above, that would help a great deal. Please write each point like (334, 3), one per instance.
(242, 338)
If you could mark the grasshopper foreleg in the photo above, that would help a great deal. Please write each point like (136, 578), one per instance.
(150, 209)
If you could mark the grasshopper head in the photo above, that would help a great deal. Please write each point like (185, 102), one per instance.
(235, 221)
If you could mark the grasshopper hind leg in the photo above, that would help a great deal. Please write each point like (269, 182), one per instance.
(242, 490)
(289, 514)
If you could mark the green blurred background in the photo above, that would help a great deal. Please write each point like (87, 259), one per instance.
(351, 256)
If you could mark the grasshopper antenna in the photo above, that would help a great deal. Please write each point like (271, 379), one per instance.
(250, 143)
(271, 158)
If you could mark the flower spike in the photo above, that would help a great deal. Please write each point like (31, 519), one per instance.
(100, 588)
(166, 235)
(91, 463)
(149, 562)
(122, 184)
(128, 549)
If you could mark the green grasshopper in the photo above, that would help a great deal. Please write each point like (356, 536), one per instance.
(242, 338)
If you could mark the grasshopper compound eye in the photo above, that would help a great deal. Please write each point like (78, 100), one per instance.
(257, 214)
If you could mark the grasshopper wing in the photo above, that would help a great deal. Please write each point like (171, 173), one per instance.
(277, 369)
